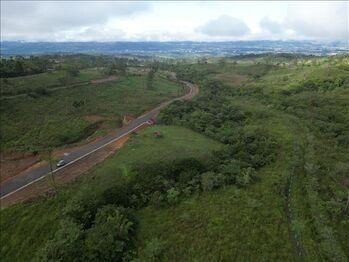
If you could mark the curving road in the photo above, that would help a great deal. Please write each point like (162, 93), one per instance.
(17, 183)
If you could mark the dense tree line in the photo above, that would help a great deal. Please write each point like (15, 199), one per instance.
(322, 85)
(20, 66)
(106, 235)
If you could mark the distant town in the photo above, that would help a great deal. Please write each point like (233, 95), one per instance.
(175, 49)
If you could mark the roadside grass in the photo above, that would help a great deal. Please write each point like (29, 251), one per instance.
(56, 119)
(26, 227)
(143, 147)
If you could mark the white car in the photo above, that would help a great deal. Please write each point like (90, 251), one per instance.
(61, 163)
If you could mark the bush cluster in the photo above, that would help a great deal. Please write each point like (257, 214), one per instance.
(91, 231)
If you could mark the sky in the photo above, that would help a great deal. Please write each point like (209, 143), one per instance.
(174, 21)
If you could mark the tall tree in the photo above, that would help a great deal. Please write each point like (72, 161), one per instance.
(150, 79)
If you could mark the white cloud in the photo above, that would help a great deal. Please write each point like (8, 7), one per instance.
(271, 26)
(93, 33)
(33, 20)
(323, 20)
(224, 26)
(172, 21)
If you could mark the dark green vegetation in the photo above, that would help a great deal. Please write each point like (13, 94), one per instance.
(43, 83)
(37, 75)
(51, 112)
(23, 66)
(267, 179)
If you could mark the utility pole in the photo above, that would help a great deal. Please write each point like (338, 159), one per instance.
(52, 178)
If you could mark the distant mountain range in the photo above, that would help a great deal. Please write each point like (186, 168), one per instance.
(174, 49)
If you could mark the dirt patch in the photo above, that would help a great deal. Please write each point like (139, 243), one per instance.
(168, 74)
(70, 173)
(104, 80)
(232, 78)
(126, 119)
(138, 71)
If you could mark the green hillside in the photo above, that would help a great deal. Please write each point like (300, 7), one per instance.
(253, 169)
(60, 117)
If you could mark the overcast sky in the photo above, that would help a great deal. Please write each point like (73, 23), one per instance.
(172, 21)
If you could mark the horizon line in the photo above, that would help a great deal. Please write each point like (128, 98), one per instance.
(174, 41)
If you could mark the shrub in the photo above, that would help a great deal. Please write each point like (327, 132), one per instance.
(211, 180)
(119, 195)
(230, 170)
(111, 235)
(172, 196)
(66, 244)
(246, 177)
(153, 250)
(83, 208)
(158, 199)
(42, 91)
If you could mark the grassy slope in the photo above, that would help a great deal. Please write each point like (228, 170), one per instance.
(53, 117)
(231, 224)
(28, 83)
(26, 227)
(252, 224)
(176, 143)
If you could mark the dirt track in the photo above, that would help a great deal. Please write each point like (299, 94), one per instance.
(105, 80)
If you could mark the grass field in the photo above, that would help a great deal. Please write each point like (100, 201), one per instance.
(230, 224)
(31, 83)
(26, 227)
(57, 119)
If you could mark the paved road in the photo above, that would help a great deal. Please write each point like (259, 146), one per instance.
(34, 175)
